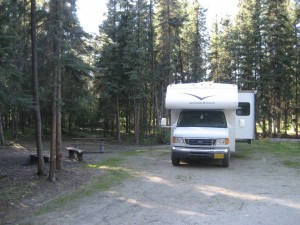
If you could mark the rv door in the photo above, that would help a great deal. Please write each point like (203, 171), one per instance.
(245, 117)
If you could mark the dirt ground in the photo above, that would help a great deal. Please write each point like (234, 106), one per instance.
(255, 189)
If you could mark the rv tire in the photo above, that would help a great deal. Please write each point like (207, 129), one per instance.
(225, 161)
(175, 161)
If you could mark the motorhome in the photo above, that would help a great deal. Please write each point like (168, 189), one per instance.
(206, 120)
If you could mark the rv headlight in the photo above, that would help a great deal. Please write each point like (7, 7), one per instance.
(222, 141)
(178, 140)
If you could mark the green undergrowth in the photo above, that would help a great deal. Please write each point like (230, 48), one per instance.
(114, 173)
(10, 195)
(134, 152)
(292, 163)
(288, 153)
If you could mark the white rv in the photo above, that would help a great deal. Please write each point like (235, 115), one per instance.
(207, 118)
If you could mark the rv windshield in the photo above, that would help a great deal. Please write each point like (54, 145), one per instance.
(203, 118)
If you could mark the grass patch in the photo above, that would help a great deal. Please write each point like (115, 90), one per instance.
(13, 194)
(114, 173)
(292, 164)
(164, 152)
(134, 152)
(280, 148)
(113, 162)
(243, 150)
(184, 178)
(113, 177)
(287, 152)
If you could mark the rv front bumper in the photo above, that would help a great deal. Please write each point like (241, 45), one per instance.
(190, 153)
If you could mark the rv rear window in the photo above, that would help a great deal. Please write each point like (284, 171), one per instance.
(244, 109)
(202, 119)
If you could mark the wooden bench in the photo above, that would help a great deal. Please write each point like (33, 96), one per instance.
(33, 158)
(75, 151)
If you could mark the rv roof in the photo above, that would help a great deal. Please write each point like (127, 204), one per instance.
(203, 85)
(204, 95)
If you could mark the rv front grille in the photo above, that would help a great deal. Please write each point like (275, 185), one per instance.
(205, 142)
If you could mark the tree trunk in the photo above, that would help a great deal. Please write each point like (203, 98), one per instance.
(297, 124)
(278, 124)
(2, 139)
(152, 57)
(53, 129)
(118, 119)
(59, 102)
(58, 124)
(136, 122)
(286, 123)
(269, 125)
(264, 127)
(15, 125)
(70, 124)
(56, 153)
(36, 98)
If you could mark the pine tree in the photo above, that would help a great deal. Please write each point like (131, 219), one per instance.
(194, 43)
(14, 53)
(276, 41)
(36, 98)
(248, 52)
(296, 89)
(221, 52)
(214, 52)
(136, 60)
(168, 23)
(66, 65)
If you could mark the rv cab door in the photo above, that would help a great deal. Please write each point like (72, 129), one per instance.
(245, 116)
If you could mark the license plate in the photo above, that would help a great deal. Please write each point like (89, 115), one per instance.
(218, 156)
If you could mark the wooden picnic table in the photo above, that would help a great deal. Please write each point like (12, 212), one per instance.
(83, 141)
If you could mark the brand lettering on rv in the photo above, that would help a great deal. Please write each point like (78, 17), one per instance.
(201, 99)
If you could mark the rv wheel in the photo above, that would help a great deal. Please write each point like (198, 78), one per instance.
(225, 161)
(175, 161)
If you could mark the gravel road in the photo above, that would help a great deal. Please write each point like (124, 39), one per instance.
(256, 189)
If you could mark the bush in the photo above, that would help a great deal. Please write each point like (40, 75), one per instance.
(159, 136)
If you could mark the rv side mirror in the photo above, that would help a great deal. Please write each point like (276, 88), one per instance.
(163, 122)
(242, 123)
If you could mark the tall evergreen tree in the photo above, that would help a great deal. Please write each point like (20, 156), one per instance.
(194, 43)
(168, 25)
(56, 22)
(14, 53)
(248, 41)
(296, 89)
(36, 98)
(214, 52)
(168, 22)
(109, 78)
(62, 62)
(276, 66)
(136, 60)
(221, 52)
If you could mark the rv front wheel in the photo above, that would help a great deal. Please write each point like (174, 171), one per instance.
(175, 161)
(225, 161)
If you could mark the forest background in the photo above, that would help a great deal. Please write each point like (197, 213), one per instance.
(114, 83)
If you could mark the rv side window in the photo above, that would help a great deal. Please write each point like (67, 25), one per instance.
(244, 109)
(202, 119)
